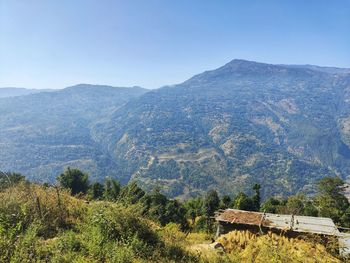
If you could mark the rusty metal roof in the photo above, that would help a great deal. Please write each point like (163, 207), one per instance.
(305, 224)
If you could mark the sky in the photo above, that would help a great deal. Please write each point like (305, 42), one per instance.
(152, 43)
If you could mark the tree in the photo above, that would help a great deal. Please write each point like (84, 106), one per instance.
(256, 197)
(112, 189)
(271, 205)
(96, 191)
(331, 200)
(158, 207)
(310, 209)
(194, 208)
(243, 202)
(175, 212)
(75, 180)
(154, 204)
(295, 205)
(131, 193)
(211, 203)
(345, 218)
(225, 201)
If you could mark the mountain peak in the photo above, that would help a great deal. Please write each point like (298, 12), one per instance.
(236, 66)
(246, 64)
(238, 61)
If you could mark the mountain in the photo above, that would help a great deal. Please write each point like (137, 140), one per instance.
(283, 126)
(13, 92)
(42, 133)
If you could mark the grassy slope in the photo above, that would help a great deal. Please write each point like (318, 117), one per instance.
(39, 224)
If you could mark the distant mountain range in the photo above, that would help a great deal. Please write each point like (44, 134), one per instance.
(13, 92)
(283, 126)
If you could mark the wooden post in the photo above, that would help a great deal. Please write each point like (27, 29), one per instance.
(59, 203)
(39, 207)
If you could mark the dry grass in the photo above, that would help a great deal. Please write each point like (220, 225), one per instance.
(55, 208)
(273, 248)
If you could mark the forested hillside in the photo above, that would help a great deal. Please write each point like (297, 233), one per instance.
(40, 134)
(281, 126)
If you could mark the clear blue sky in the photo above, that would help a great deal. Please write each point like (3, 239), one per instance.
(151, 43)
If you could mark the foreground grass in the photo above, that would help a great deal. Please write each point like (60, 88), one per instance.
(39, 224)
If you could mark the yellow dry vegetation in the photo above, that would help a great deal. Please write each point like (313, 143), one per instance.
(56, 207)
(249, 247)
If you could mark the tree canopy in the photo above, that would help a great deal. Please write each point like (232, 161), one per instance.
(75, 180)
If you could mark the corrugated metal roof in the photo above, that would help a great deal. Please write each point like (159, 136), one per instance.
(318, 225)
(306, 224)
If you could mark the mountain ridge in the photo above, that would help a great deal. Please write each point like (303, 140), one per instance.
(283, 126)
(213, 91)
(6, 92)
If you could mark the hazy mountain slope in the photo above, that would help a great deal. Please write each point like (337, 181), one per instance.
(42, 133)
(246, 122)
(13, 92)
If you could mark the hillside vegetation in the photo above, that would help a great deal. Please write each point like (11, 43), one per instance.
(284, 127)
(43, 133)
(41, 223)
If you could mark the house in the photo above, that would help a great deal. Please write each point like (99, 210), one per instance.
(289, 225)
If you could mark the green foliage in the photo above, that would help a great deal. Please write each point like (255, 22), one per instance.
(117, 223)
(211, 203)
(194, 208)
(75, 180)
(112, 189)
(243, 202)
(271, 205)
(96, 191)
(299, 205)
(131, 193)
(296, 204)
(27, 246)
(10, 179)
(201, 224)
(225, 202)
(256, 197)
(154, 204)
(159, 208)
(331, 200)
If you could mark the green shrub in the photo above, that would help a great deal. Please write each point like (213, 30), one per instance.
(69, 241)
(26, 246)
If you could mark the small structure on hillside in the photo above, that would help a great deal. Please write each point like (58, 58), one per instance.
(291, 225)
